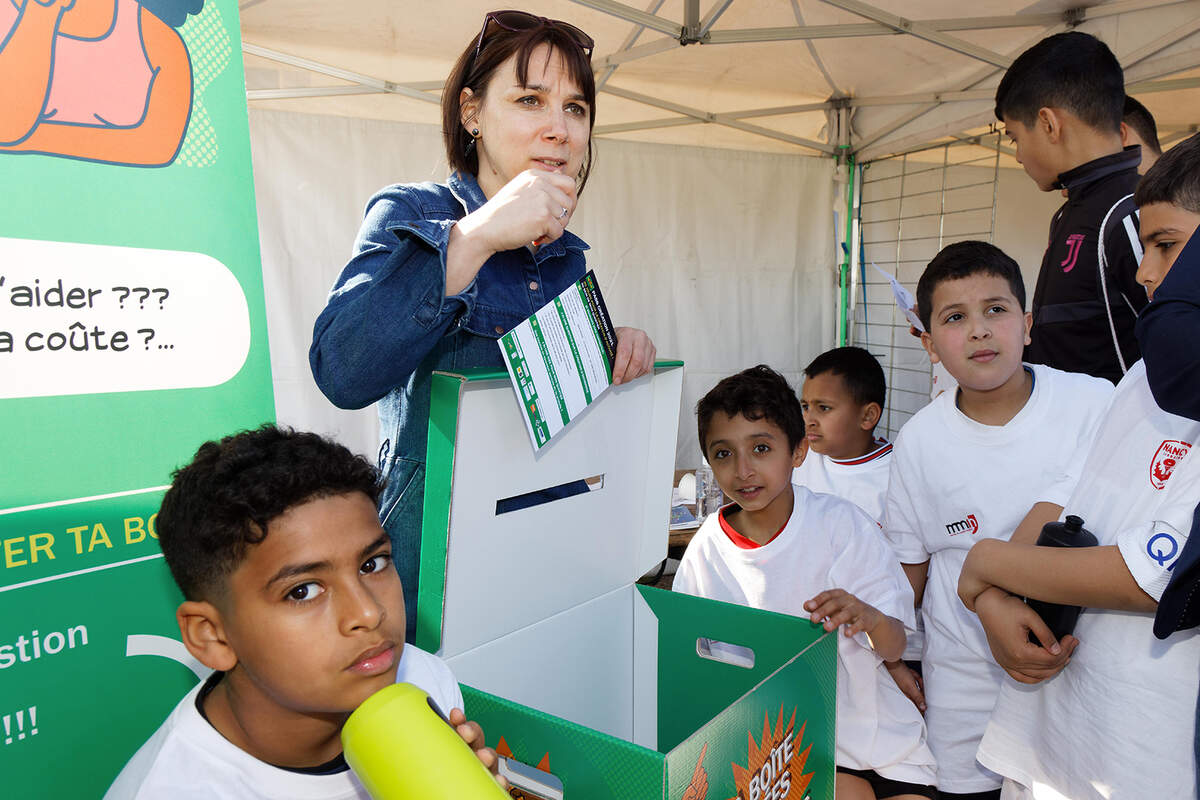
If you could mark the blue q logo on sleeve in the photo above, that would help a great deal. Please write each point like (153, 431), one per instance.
(1163, 548)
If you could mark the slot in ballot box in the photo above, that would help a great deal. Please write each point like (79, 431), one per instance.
(619, 690)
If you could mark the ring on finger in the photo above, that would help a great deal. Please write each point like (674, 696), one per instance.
(563, 214)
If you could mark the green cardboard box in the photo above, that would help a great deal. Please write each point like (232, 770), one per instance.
(570, 666)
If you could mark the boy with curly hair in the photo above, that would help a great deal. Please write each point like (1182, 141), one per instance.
(291, 599)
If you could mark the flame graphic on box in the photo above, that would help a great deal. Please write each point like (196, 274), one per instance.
(777, 764)
(503, 749)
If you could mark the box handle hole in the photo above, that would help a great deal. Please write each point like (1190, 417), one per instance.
(735, 655)
(528, 782)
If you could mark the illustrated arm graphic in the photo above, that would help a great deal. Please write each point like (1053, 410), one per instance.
(153, 142)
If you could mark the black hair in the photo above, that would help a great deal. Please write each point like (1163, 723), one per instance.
(962, 260)
(1139, 118)
(1074, 71)
(859, 370)
(173, 12)
(222, 502)
(756, 393)
(473, 71)
(1174, 179)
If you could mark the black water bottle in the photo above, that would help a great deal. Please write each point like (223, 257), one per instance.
(1060, 619)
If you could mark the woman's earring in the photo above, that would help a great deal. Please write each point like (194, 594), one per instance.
(471, 142)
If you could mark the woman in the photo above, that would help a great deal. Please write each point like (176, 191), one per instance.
(440, 271)
(100, 80)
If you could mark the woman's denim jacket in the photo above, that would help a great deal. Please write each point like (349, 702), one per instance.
(388, 325)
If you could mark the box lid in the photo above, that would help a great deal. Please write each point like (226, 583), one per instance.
(484, 572)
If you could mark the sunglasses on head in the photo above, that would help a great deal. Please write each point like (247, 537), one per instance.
(515, 21)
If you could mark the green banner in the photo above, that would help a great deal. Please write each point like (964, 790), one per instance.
(132, 328)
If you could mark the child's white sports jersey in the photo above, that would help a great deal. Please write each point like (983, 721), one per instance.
(827, 543)
(863, 480)
(955, 481)
(1118, 721)
(188, 759)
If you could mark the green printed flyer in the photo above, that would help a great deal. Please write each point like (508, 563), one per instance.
(561, 359)
(132, 329)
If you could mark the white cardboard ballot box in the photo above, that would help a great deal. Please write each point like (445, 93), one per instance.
(528, 563)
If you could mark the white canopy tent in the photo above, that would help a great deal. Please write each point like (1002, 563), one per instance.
(712, 211)
(747, 74)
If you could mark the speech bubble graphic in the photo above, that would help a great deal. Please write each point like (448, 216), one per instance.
(93, 319)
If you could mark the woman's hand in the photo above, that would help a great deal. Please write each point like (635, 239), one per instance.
(635, 355)
(533, 207)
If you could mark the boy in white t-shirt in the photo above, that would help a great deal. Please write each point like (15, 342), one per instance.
(1118, 721)
(291, 597)
(993, 459)
(782, 548)
(842, 398)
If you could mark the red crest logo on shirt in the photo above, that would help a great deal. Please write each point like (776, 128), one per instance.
(1166, 458)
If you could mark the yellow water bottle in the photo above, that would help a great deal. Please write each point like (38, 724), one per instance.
(402, 749)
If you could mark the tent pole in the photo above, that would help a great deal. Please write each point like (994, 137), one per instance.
(922, 31)
(631, 14)
(844, 270)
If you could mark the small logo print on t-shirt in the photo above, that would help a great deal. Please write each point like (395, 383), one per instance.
(1166, 458)
(969, 525)
(1163, 548)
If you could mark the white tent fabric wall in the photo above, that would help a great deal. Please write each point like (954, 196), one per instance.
(724, 257)
(312, 177)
